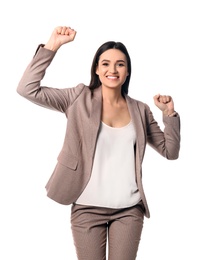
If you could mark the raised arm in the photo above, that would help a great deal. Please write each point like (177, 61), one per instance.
(167, 143)
(30, 83)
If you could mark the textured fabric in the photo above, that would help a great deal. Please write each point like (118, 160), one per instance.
(83, 112)
(92, 225)
(112, 183)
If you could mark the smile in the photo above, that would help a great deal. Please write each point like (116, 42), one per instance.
(112, 77)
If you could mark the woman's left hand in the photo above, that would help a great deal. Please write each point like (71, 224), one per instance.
(164, 103)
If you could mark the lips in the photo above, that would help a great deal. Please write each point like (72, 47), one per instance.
(112, 77)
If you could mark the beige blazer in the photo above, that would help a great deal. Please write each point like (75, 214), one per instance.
(83, 112)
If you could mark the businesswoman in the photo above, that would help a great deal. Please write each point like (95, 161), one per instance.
(98, 171)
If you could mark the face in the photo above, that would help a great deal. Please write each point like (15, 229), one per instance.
(112, 69)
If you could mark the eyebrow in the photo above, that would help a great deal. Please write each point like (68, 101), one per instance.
(116, 61)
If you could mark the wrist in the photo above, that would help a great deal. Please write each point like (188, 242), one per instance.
(173, 114)
(169, 112)
(51, 47)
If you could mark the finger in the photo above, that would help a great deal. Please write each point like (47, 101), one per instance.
(156, 98)
(59, 29)
(72, 34)
(68, 30)
(63, 30)
(168, 99)
(165, 99)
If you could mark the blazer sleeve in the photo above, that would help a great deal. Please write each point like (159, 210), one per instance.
(30, 84)
(166, 142)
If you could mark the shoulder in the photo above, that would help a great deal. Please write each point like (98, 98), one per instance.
(136, 102)
(141, 107)
(80, 89)
(79, 94)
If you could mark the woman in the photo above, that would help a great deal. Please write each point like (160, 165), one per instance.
(99, 167)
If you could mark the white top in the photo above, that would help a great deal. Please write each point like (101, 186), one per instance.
(112, 183)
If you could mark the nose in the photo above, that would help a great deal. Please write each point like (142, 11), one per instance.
(113, 68)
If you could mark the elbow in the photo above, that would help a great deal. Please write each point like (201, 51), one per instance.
(173, 156)
(18, 90)
(21, 90)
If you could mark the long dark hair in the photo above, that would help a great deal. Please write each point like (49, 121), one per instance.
(95, 82)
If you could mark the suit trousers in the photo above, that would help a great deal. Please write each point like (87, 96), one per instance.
(96, 229)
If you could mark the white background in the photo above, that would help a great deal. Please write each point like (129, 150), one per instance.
(167, 44)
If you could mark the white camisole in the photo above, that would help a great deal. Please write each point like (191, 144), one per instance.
(112, 183)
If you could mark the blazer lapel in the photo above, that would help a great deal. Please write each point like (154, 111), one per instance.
(95, 118)
(139, 126)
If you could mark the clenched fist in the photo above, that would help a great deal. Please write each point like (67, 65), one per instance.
(60, 36)
(165, 104)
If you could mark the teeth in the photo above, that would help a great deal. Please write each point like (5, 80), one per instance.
(110, 77)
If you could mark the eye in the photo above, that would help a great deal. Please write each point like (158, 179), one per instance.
(120, 64)
(105, 64)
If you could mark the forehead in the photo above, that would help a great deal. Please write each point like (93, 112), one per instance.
(112, 54)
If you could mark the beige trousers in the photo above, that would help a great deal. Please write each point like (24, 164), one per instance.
(93, 226)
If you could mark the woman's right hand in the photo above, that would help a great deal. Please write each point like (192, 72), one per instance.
(60, 36)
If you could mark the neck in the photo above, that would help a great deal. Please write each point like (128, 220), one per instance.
(112, 96)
